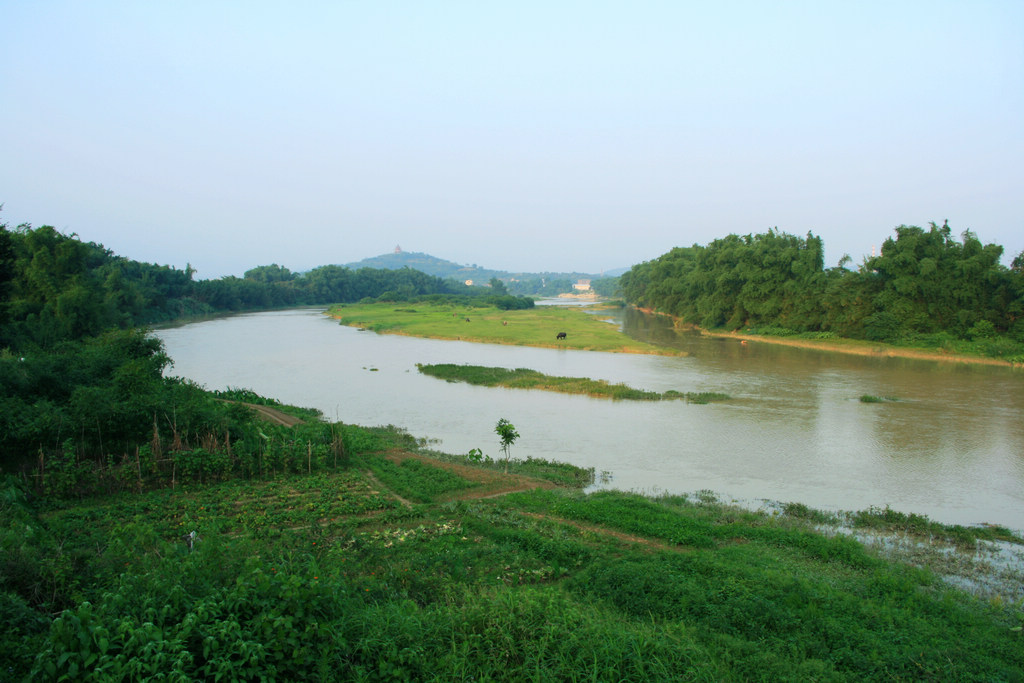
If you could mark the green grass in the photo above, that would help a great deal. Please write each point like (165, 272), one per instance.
(889, 520)
(415, 480)
(325, 576)
(868, 398)
(530, 327)
(524, 378)
(558, 473)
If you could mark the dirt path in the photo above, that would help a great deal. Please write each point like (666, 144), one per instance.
(613, 533)
(381, 488)
(272, 415)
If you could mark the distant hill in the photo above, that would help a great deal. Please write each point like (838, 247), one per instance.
(438, 267)
(425, 263)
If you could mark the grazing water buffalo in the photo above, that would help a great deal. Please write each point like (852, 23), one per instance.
(560, 335)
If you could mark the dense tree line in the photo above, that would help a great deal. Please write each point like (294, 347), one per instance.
(923, 283)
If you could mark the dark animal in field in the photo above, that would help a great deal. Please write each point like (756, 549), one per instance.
(467, 320)
(560, 335)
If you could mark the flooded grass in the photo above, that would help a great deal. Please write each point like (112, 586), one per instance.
(524, 378)
(986, 561)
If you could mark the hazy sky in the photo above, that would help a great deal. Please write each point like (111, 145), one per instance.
(522, 136)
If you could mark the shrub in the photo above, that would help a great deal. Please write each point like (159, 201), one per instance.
(983, 329)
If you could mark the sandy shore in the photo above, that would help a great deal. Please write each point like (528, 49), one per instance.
(863, 348)
(857, 347)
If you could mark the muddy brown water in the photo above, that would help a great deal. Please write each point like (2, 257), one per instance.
(951, 447)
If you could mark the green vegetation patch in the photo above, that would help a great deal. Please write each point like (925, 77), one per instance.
(889, 520)
(524, 378)
(868, 398)
(415, 480)
(548, 585)
(539, 326)
(558, 473)
(235, 507)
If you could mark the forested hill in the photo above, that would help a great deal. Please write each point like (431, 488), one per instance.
(522, 283)
(425, 263)
(924, 288)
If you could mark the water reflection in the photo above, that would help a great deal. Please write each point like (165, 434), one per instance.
(952, 447)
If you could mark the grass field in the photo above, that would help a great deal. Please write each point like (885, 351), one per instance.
(405, 567)
(537, 326)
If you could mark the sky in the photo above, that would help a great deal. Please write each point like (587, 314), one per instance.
(520, 136)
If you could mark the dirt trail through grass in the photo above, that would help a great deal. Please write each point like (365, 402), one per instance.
(491, 484)
(612, 533)
(274, 415)
(488, 483)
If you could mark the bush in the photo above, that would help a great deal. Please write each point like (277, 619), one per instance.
(982, 329)
(882, 326)
(1000, 347)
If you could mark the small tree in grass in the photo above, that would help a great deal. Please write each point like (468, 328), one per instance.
(507, 431)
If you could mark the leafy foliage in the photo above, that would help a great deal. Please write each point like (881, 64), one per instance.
(507, 433)
(922, 283)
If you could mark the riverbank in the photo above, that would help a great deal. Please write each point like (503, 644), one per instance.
(857, 347)
(865, 348)
(431, 567)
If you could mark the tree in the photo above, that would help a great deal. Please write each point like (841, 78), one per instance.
(498, 286)
(271, 273)
(507, 431)
(1017, 265)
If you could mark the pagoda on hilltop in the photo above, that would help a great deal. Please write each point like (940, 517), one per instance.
(398, 249)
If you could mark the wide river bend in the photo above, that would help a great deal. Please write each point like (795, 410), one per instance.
(951, 447)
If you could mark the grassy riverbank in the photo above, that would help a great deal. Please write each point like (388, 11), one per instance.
(524, 378)
(404, 566)
(537, 326)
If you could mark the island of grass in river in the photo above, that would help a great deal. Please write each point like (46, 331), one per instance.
(538, 326)
(524, 378)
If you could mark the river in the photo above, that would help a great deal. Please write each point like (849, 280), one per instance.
(951, 447)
